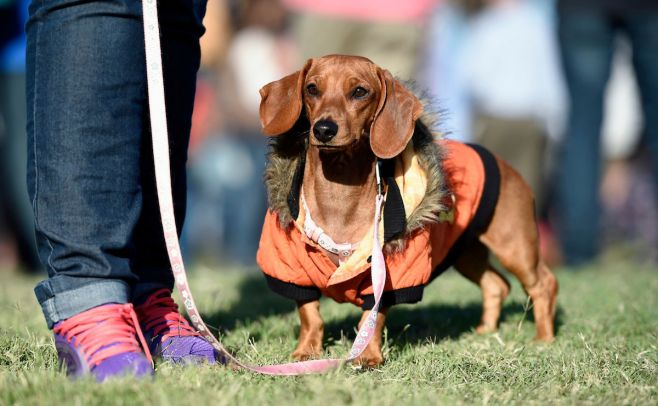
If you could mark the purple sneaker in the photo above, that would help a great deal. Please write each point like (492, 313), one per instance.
(169, 334)
(103, 341)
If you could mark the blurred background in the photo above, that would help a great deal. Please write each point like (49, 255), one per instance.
(566, 91)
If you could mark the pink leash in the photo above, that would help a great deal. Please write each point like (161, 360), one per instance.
(163, 180)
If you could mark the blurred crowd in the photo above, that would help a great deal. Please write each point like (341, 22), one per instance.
(566, 91)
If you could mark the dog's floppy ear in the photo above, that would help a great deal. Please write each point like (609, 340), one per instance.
(281, 102)
(396, 115)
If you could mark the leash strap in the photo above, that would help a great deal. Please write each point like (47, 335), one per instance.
(158, 117)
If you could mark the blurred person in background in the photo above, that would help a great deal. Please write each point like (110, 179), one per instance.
(587, 31)
(388, 32)
(440, 68)
(201, 237)
(16, 219)
(628, 202)
(227, 168)
(511, 70)
(493, 67)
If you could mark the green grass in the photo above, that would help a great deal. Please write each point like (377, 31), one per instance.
(605, 353)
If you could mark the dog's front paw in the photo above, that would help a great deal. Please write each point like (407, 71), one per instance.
(306, 352)
(544, 337)
(483, 328)
(370, 359)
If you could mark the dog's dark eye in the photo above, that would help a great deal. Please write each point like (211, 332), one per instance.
(312, 89)
(359, 93)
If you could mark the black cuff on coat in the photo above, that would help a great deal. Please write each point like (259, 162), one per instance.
(412, 294)
(292, 291)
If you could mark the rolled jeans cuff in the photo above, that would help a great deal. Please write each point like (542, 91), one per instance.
(58, 306)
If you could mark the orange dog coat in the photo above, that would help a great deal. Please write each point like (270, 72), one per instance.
(297, 268)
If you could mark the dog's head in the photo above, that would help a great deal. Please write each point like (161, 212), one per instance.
(345, 98)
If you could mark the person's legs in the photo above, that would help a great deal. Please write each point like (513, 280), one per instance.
(642, 30)
(521, 143)
(586, 41)
(90, 173)
(392, 45)
(245, 199)
(86, 108)
(319, 35)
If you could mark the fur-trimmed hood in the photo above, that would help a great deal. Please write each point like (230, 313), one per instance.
(284, 175)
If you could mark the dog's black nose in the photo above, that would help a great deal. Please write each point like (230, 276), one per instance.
(325, 130)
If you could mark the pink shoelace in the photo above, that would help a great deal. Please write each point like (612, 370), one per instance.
(104, 331)
(160, 313)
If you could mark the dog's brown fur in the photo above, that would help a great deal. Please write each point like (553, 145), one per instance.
(339, 178)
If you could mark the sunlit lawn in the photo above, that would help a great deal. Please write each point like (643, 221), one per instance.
(605, 353)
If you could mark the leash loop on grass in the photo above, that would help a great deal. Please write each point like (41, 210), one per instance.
(158, 117)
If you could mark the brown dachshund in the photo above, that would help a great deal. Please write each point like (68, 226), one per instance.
(447, 203)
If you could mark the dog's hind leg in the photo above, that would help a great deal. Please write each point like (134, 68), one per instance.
(311, 331)
(513, 238)
(474, 265)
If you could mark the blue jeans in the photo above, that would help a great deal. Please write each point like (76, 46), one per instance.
(587, 40)
(90, 169)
